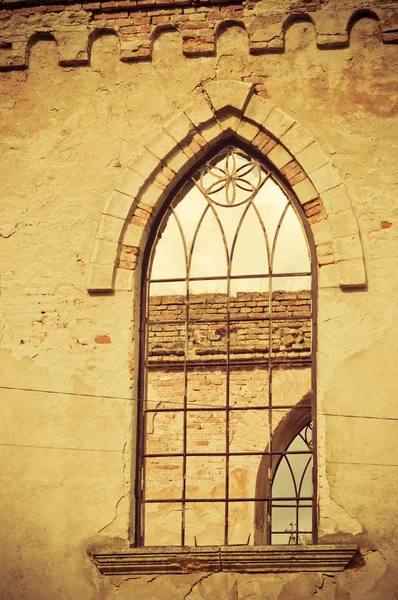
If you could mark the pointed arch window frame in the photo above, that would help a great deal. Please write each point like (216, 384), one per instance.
(178, 192)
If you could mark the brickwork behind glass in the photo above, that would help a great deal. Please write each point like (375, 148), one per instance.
(249, 336)
(196, 448)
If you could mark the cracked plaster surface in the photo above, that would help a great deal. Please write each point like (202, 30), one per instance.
(66, 134)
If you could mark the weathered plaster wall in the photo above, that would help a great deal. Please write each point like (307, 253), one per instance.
(67, 447)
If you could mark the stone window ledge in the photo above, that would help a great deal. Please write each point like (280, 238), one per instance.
(242, 559)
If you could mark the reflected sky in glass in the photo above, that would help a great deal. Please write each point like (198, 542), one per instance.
(232, 222)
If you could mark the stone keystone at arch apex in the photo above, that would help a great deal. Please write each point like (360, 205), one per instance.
(227, 110)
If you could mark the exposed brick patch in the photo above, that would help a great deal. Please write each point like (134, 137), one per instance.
(141, 222)
(314, 211)
(128, 257)
(264, 142)
(103, 339)
(386, 224)
(293, 173)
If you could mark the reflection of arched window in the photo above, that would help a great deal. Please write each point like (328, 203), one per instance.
(292, 491)
(226, 357)
(285, 476)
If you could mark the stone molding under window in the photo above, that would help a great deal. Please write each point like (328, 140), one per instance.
(173, 560)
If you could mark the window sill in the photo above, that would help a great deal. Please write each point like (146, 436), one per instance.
(241, 559)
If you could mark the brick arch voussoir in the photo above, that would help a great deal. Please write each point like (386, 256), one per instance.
(227, 109)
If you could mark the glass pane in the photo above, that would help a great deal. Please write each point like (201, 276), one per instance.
(231, 177)
(206, 431)
(166, 342)
(291, 340)
(289, 386)
(241, 523)
(207, 341)
(291, 304)
(204, 523)
(165, 303)
(248, 430)
(209, 252)
(208, 300)
(292, 517)
(205, 477)
(283, 484)
(248, 386)
(188, 213)
(282, 539)
(284, 518)
(305, 525)
(165, 389)
(293, 476)
(250, 251)
(249, 305)
(163, 524)
(298, 444)
(306, 436)
(164, 432)
(299, 464)
(291, 253)
(302, 470)
(169, 259)
(270, 202)
(206, 387)
(243, 472)
(230, 219)
(163, 478)
(293, 283)
(260, 285)
(249, 339)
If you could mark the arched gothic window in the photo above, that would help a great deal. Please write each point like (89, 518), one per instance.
(227, 380)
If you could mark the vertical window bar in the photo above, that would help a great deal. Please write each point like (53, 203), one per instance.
(270, 473)
(185, 407)
(314, 340)
(227, 415)
(184, 459)
(141, 414)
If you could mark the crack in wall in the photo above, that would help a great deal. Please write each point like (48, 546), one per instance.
(197, 582)
(115, 517)
(126, 481)
(346, 511)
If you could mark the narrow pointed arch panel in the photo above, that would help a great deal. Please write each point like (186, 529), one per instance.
(227, 353)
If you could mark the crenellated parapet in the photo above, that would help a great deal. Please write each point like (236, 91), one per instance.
(74, 27)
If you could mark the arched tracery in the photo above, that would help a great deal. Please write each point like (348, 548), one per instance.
(229, 110)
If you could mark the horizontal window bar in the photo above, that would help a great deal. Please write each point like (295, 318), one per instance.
(238, 363)
(291, 532)
(232, 277)
(223, 500)
(177, 454)
(223, 321)
(297, 501)
(208, 408)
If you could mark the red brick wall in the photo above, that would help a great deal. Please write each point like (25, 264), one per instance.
(290, 338)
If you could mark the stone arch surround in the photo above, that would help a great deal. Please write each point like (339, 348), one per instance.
(227, 109)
